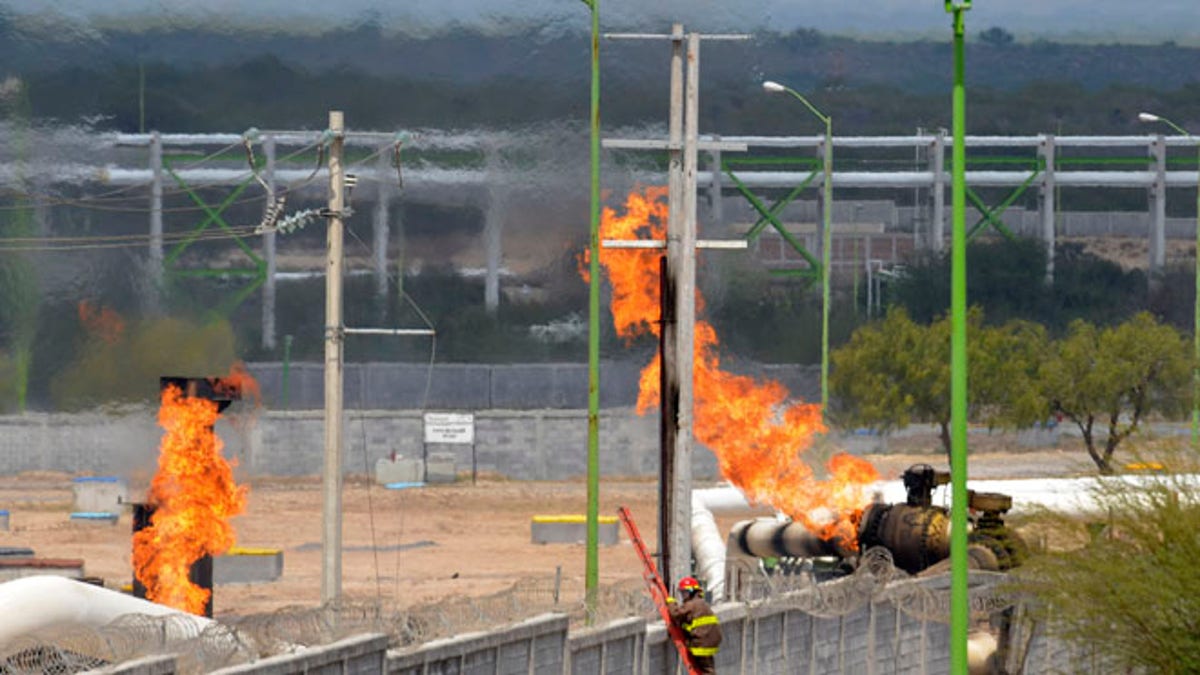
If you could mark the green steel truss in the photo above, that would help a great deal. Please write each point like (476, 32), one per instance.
(256, 273)
(769, 215)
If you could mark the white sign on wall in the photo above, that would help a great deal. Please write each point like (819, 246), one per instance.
(450, 428)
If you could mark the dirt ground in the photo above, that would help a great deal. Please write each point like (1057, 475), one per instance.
(407, 547)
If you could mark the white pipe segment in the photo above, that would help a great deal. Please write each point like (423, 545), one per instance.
(708, 546)
(30, 604)
(909, 179)
(971, 141)
(1063, 495)
(422, 176)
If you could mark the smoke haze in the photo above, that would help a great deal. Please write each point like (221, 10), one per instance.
(1095, 19)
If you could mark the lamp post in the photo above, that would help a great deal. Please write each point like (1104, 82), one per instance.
(1150, 117)
(827, 234)
(958, 351)
(592, 564)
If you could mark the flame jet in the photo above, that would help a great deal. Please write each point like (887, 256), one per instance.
(758, 434)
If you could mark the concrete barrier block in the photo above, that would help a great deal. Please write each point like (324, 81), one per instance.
(398, 470)
(572, 529)
(440, 468)
(99, 494)
(248, 566)
(95, 518)
(13, 567)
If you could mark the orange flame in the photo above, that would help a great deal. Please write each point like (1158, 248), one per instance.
(194, 496)
(757, 434)
(102, 322)
(239, 383)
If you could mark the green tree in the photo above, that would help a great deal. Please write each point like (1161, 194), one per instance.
(896, 371)
(1108, 380)
(1128, 591)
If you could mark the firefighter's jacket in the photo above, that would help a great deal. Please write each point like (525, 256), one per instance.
(699, 624)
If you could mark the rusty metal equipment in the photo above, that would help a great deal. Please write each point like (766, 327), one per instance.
(916, 532)
(222, 391)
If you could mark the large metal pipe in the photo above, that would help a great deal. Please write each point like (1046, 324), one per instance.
(769, 537)
(30, 604)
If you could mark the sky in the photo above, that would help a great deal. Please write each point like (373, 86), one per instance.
(1096, 19)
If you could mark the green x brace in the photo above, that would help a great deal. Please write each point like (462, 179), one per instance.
(257, 273)
(991, 215)
(769, 215)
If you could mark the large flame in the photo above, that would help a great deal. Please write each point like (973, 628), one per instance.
(193, 495)
(757, 434)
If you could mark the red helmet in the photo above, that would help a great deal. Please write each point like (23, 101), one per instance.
(689, 585)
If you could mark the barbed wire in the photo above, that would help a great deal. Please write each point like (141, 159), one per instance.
(243, 639)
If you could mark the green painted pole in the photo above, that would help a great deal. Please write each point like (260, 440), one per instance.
(592, 567)
(826, 263)
(958, 357)
(1149, 117)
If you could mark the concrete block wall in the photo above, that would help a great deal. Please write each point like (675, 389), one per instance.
(614, 649)
(536, 646)
(358, 655)
(517, 444)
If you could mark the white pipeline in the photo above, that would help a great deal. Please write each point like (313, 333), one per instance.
(708, 547)
(1064, 495)
(30, 604)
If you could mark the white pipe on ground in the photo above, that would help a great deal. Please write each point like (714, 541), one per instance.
(30, 604)
(1062, 495)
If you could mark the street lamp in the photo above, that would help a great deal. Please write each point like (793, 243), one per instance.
(1150, 117)
(827, 235)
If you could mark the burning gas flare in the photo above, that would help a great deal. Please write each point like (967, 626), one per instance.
(757, 434)
(194, 496)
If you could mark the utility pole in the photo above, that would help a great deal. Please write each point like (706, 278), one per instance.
(678, 355)
(669, 393)
(331, 532)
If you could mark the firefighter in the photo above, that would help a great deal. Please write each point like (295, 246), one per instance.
(698, 623)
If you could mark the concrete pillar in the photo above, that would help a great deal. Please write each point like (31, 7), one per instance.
(268, 304)
(155, 265)
(379, 245)
(1158, 207)
(492, 230)
(685, 320)
(937, 237)
(716, 209)
(1047, 202)
(667, 493)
